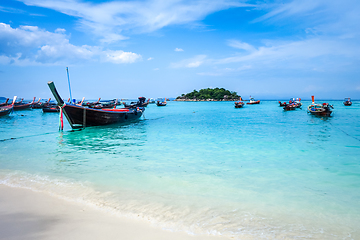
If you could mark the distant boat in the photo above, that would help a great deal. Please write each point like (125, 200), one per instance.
(5, 103)
(140, 103)
(347, 102)
(7, 109)
(51, 108)
(293, 104)
(81, 117)
(323, 110)
(161, 104)
(239, 104)
(21, 106)
(282, 104)
(253, 101)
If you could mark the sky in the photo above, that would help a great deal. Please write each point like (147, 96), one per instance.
(267, 49)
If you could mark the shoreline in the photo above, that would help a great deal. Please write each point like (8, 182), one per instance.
(26, 214)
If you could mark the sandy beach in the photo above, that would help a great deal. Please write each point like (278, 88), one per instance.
(26, 214)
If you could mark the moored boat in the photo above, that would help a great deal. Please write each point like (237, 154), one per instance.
(7, 109)
(51, 108)
(21, 106)
(293, 104)
(5, 103)
(161, 103)
(282, 104)
(140, 103)
(81, 117)
(347, 102)
(253, 101)
(239, 104)
(317, 109)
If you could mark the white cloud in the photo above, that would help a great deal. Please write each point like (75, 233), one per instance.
(150, 58)
(112, 18)
(121, 57)
(297, 54)
(30, 45)
(241, 45)
(178, 50)
(190, 63)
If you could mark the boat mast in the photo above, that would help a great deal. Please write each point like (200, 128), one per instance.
(67, 70)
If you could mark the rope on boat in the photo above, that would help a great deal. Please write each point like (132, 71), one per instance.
(61, 119)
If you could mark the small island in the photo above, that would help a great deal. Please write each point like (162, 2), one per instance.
(209, 94)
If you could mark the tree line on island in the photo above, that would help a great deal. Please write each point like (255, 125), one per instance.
(209, 94)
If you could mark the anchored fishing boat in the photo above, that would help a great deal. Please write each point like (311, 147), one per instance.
(282, 104)
(161, 104)
(81, 117)
(293, 104)
(323, 110)
(7, 109)
(347, 102)
(141, 103)
(5, 103)
(239, 104)
(21, 106)
(51, 108)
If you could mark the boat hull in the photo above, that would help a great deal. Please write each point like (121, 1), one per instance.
(6, 110)
(256, 102)
(51, 109)
(22, 106)
(239, 105)
(80, 117)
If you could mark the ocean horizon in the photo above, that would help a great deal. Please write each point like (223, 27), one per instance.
(204, 168)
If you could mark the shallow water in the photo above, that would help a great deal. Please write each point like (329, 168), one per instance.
(201, 167)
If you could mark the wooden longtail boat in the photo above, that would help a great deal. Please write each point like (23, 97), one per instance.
(323, 110)
(239, 104)
(140, 103)
(161, 104)
(51, 108)
(347, 102)
(282, 104)
(37, 105)
(5, 103)
(6, 110)
(293, 104)
(81, 117)
(21, 106)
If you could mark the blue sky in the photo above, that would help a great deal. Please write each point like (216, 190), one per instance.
(163, 48)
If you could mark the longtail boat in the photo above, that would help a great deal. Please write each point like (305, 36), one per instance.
(37, 105)
(282, 104)
(239, 104)
(21, 106)
(323, 110)
(81, 117)
(5, 103)
(51, 108)
(293, 104)
(140, 103)
(161, 104)
(347, 102)
(7, 109)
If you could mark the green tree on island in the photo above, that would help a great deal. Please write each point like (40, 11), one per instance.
(216, 94)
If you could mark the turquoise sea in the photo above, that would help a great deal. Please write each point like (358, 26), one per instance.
(201, 167)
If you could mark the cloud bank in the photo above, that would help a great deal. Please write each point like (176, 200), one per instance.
(30, 45)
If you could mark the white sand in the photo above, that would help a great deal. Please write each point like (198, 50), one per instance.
(28, 215)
